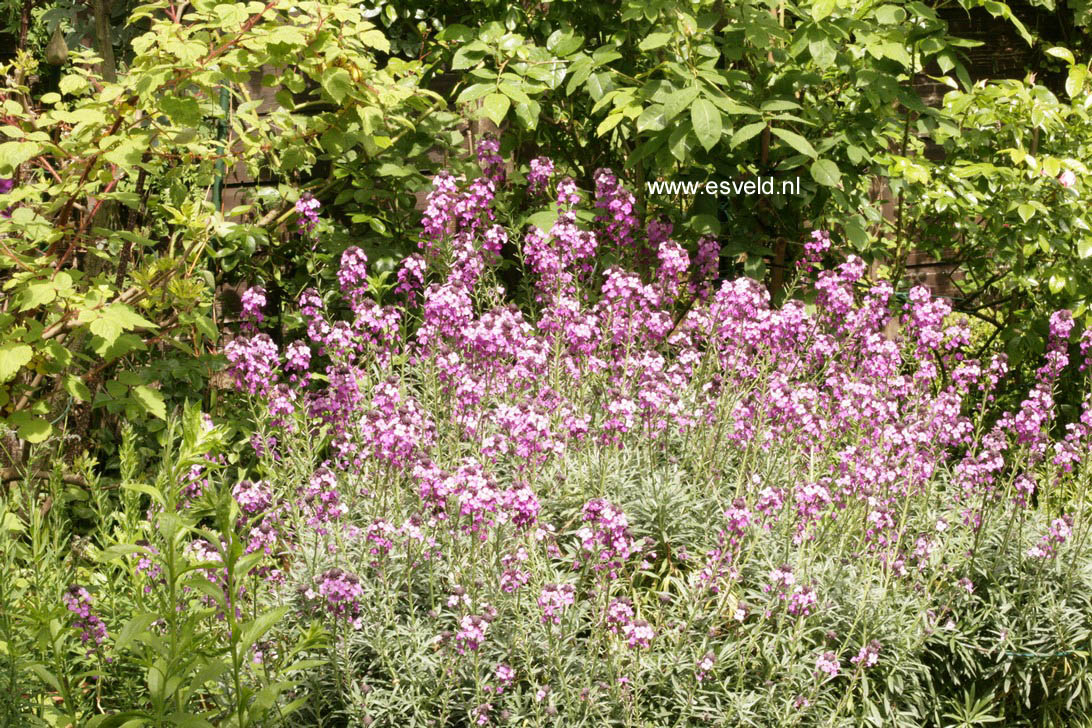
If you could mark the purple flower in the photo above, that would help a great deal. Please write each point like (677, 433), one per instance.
(471, 633)
(815, 249)
(638, 634)
(307, 207)
(553, 600)
(353, 273)
(253, 302)
(801, 601)
(490, 161)
(78, 601)
(542, 168)
(782, 577)
(868, 655)
(828, 663)
(567, 193)
(618, 205)
(705, 665)
(252, 362)
(1060, 531)
(411, 276)
(619, 614)
(342, 591)
(505, 677)
(253, 497)
(606, 542)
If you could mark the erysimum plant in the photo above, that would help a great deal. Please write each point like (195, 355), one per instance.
(647, 497)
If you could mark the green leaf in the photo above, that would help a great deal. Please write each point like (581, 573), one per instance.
(705, 225)
(890, 14)
(209, 673)
(76, 388)
(468, 55)
(707, 123)
(754, 267)
(205, 326)
(126, 317)
(609, 123)
(679, 142)
(134, 628)
(597, 85)
(189, 720)
(1064, 53)
(182, 111)
(118, 550)
(107, 329)
(32, 429)
(822, 8)
(795, 141)
(654, 40)
(13, 357)
(474, 92)
(822, 52)
(374, 38)
(10, 523)
(37, 294)
(72, 84)
(231, 15)
(338, 83)
(514, 92)
(579, 71)
(780, 105)
(150, 400)
(826, 172)
(147, 490)
(12, 154)
(543, 220)
(563, 43)
(1073, 83)
(651, 119)
(496, 107)
(256, 629)
(45, 676)
(679, 100)
(528, 114)
(745, 133)
(856, 234)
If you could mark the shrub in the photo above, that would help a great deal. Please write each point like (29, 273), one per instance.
(643, 498)
(639, 498)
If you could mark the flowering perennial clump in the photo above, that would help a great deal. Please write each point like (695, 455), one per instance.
(652, 457)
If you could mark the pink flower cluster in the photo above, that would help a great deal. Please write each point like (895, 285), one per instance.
(78, 601)
(605, 542)
(554, 599)
(341, 591)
